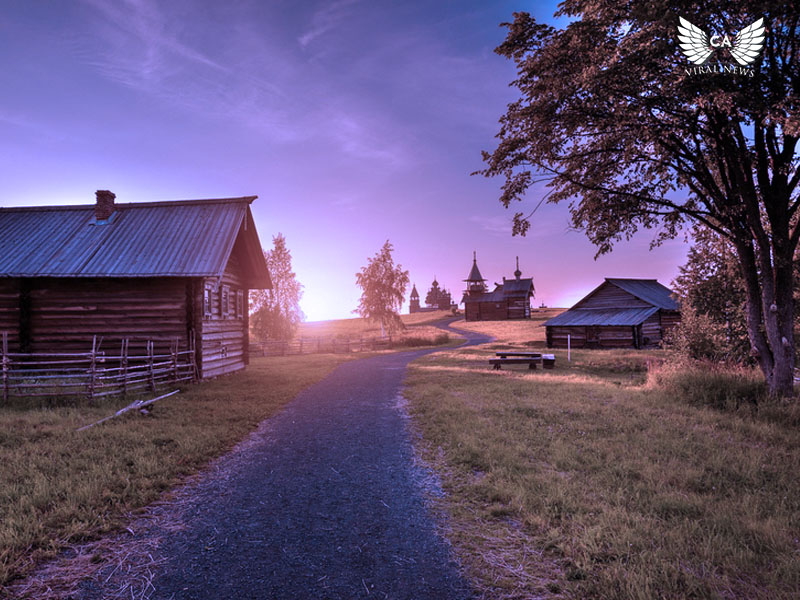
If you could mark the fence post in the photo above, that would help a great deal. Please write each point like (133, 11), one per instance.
(301, 345)
(124, 366)
(175, 361)
(5, 367)
(92, 369)
(150, 365)
(192, 343)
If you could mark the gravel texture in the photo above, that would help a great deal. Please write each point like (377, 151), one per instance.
(325, 500)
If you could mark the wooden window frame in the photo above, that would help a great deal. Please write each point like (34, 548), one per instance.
(240, 304)
(224, 301)
(208, 301)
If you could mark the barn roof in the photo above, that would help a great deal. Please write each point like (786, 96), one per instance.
(611, 316)
(189, 238)
(648, 290)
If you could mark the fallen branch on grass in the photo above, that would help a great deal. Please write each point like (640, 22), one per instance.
(131, 406)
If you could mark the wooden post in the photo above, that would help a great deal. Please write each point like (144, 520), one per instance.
(194, 356)
(301, 345)
(175, 361)
(569, 350)
(123, 366)
(92, 369)
(5, 367)
(150, 361)
(319, 345)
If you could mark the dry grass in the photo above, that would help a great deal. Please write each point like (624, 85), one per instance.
(59, 486)
(587, 481)
(529, 332)
(357, 326)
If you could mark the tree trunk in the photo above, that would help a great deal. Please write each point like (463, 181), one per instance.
(770, 322)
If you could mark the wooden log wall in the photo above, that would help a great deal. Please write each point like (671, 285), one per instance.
(486, 311)
(65, 313)
(611, 296)
(651, 330)
(224, 335)
(583, 337)
(9, 311)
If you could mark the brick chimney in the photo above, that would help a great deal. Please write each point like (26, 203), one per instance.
(105, 205)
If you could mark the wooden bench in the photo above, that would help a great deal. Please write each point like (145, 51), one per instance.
(515, 354)
(531, 361)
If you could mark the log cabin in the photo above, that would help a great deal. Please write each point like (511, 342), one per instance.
(509, 300)
(619, 313)
(159, 271)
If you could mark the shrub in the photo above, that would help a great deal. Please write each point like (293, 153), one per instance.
(411, 341)
(722, 387)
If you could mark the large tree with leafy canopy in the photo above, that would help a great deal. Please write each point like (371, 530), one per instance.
(621, 125)
(277, 312)
(383, 288)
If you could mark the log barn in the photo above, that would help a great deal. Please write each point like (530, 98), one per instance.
(509, 300)
(159, 271)
(619, 313)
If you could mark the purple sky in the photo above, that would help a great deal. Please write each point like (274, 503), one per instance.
(353, 121)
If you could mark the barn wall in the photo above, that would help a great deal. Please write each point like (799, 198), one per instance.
(591, 337)
(669, 320)
(9, 311)
(557, 336)
(225, 338)
(611, 296)
(651, 329)
(65, 313)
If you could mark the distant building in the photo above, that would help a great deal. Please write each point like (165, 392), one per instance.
(414, 303)
(436, 299)
(619, 313)
(509, 300)
(152, 271)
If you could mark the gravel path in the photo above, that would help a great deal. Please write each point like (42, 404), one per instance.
(325, 501)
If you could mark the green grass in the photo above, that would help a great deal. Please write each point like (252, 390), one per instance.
(59, 486)
(590, 481)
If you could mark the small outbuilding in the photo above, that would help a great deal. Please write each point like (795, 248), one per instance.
(161, 272)
(619, 313)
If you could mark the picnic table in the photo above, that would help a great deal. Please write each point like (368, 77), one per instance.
(514, 357)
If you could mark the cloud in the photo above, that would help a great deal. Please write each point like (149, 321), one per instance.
(326, 19)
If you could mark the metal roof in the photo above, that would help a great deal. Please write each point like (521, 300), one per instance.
(648, 290)
(190, 238)
(511, 286)
(612, 316)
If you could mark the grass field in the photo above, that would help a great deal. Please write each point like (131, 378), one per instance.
(591, 481)
(357, 326)
(527, 333)
(59, 486)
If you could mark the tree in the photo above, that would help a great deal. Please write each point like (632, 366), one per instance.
(712, 295)
(618, 122)
(276, 312)
(383, 289)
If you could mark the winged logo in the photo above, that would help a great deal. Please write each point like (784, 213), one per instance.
(745, 48)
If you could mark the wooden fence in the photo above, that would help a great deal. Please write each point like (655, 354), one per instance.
(319, 345)
(94, 374)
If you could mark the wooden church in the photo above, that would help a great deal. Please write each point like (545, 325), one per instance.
(437, 298)
(509, 300)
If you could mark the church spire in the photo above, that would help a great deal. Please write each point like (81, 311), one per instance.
(517, 273)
